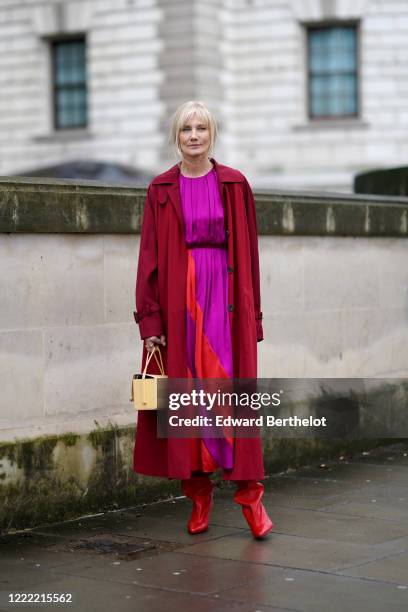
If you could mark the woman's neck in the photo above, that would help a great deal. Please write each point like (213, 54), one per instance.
(195, 168)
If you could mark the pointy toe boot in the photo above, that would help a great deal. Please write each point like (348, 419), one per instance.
(249, 494)
(200, 490)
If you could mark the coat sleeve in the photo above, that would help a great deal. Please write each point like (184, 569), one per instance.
(148, 311)
(253, 241)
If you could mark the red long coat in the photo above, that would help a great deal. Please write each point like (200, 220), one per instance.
(161, 308)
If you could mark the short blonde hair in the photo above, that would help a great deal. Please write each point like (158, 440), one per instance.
(183, 114)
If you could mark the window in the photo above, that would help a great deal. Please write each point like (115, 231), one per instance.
(69, 80)
(333, 78)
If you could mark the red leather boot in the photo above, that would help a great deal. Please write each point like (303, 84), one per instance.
(200, 490)
(249, 494)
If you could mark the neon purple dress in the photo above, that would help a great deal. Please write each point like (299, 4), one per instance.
(208, 334)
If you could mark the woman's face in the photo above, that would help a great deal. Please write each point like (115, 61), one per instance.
(194, 138)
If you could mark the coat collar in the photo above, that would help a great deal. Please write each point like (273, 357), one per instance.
(225, 174)
(170, 178)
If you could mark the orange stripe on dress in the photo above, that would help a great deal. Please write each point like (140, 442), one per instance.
(207, 362)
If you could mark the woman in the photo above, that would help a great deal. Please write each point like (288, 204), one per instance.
(198, 297)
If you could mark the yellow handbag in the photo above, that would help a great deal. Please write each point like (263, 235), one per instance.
(145, 386)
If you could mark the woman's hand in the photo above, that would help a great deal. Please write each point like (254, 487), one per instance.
(153, 340)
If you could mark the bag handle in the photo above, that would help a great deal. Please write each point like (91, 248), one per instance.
(159, 363)
(161, 367)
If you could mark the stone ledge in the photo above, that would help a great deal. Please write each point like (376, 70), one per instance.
(72, 206)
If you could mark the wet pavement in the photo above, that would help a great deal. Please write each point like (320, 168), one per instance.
(340, 541)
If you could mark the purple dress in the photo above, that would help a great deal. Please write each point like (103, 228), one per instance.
(208, 334)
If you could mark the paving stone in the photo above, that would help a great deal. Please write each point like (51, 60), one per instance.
(311, 487)
(178, 508)
(319, 592)
(110, 522)
(392, 569)
(167, 528)
(381, 474)
(290, 551)
(91, 596)
(373, 507)
(331, 526)
(30, 550)
(176, 531)
(287, 500)
(175, 571)
(17, 577)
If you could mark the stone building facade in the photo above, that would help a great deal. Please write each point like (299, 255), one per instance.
(306, 92)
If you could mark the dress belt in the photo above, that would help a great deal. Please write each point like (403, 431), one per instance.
(207, 244)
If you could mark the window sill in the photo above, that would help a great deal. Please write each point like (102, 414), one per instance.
(329, 124)
(64, 136)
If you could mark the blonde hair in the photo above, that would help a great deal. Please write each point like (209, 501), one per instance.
(183, 114)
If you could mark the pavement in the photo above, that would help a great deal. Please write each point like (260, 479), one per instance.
(340, 541)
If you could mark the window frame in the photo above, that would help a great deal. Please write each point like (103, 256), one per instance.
(54, 41)
(309, 26)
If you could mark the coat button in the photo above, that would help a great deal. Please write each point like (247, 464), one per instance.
(230, 269)
(230, 307)
(227, 232)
